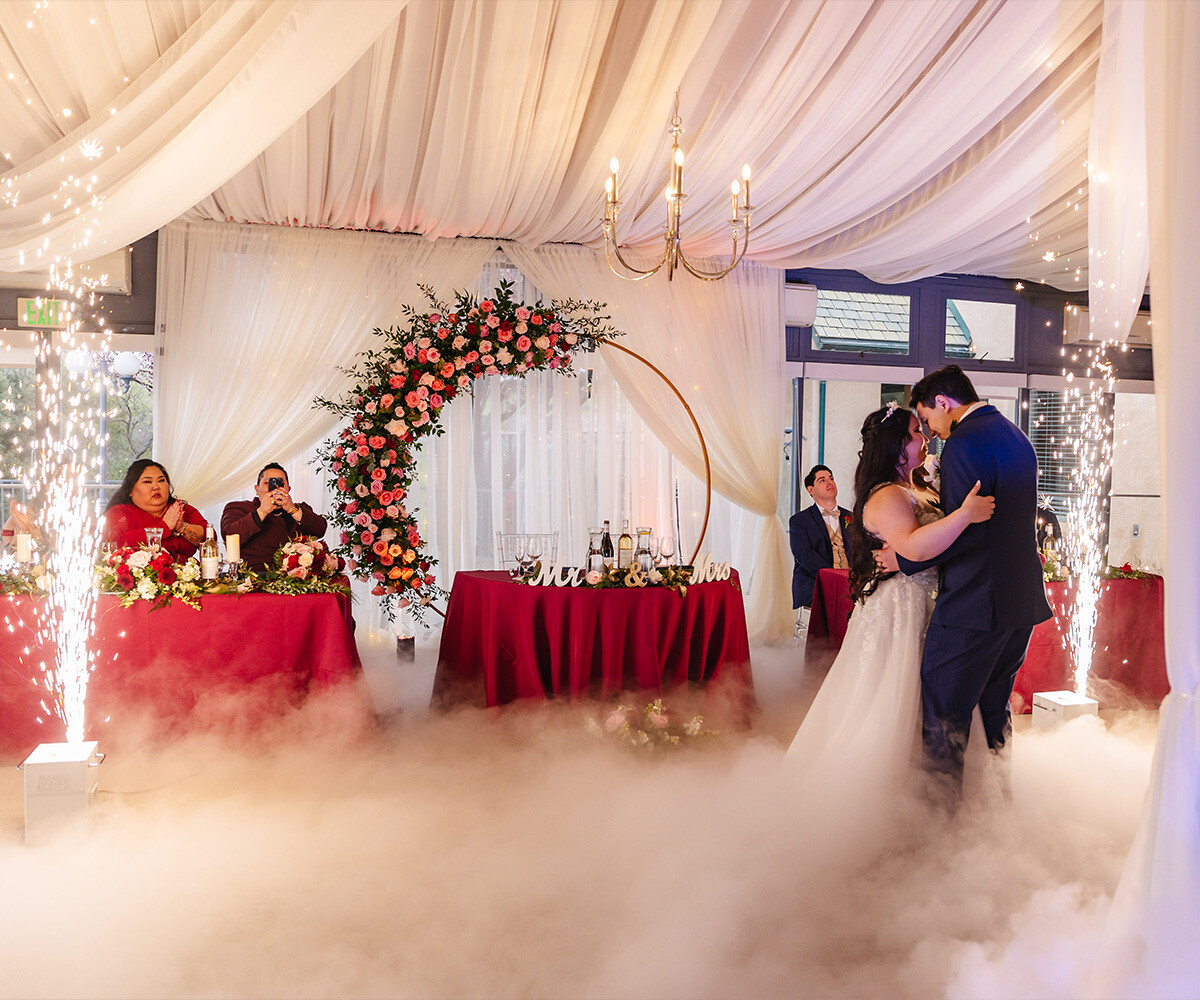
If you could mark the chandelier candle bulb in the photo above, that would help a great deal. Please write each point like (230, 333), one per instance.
(746, 184)
(734, 189)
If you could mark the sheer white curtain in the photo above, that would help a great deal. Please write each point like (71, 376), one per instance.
(721, 344)
(1118, 215)
(1159, 897)
(254, 322)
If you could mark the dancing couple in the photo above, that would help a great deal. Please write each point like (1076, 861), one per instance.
(946, 634)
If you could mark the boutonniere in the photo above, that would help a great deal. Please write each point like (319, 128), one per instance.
(846, 519)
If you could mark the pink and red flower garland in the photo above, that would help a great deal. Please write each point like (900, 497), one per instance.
(401, 389)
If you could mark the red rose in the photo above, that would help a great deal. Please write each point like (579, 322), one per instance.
(166, 576)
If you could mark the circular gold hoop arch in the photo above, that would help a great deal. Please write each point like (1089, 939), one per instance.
(699, 434)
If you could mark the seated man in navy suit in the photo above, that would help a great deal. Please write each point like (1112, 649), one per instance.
(817, 535)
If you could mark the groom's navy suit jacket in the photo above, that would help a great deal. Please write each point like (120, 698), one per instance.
(991, 577)
(812, 550)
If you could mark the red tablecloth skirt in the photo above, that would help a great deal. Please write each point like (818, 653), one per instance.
(237, 660)
(502, 640)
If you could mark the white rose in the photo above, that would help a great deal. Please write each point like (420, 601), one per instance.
(188, 571)
(305, 558)
(503, 356)
(654, 576)
(542, 342)
(139, 559)
(146, 589)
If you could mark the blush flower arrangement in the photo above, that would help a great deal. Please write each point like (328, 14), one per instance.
(652, 726)
(306, 565)
(136, 574)
(399, 390)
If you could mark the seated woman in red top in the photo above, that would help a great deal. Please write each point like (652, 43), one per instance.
(144, 500)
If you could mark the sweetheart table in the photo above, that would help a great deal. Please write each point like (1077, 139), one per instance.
(504, 641)
(235, 663)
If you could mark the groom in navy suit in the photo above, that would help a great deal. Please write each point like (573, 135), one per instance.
(991, 593)
(814, 532)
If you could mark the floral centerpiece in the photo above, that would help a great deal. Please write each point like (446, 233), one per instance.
(652, 726)
(399, 389)
(24, 578)
(306, 566)
(137, 574)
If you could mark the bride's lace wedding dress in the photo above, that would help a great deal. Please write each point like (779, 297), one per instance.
(856, 752)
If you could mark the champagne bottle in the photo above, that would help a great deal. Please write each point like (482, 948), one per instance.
(606, 546)
(210, 556)
(624, 546)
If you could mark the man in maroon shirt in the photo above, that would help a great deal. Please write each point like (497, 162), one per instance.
(268, 521)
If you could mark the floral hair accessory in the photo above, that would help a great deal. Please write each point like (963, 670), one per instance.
(892, 407)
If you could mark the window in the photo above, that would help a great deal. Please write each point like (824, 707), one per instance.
(982, 331)
(1055, 421)
(867, 322)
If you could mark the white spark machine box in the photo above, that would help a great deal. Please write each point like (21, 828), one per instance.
(1053, 708)
(60, 783)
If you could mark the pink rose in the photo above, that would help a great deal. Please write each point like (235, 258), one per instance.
(367, 537)
(432, 354)
(396, 381)
(522, 313)
(536, 319)
(486, 306)
(377, 442)
(379, 548)
(376, 486)
(410, 352)
(493, 321)
(524, 343)
(386, 402)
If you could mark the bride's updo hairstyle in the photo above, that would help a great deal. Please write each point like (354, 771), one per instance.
(884, 435)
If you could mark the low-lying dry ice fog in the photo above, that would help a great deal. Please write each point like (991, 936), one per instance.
(517, 854)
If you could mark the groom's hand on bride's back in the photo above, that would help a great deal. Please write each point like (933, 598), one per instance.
(885, 559)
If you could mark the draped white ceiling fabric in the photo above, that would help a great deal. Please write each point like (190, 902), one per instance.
(110, 141)
(900, 139)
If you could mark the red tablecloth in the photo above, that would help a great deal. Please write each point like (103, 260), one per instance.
(1129, 662)
(239, 658)
(831, 606)
(502, 641)
(1129, 665)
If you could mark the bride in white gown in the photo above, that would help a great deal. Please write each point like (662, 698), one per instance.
(855, 753)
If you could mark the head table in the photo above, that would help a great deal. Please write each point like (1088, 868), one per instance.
(237, 661)
(1129, 664)
(503, 641)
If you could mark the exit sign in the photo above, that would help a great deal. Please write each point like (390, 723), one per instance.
(47, 314)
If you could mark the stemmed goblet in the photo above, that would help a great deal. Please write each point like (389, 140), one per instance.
(666, 548)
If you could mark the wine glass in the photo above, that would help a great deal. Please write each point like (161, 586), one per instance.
(666, 547)
(533, 548)
(656, 550)
(519, 542)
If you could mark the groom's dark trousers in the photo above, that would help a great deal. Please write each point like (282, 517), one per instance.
(990, 593)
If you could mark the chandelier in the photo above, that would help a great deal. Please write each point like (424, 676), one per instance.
(672, 255)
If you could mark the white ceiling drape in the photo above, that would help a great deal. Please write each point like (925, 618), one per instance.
(898, 139)
(116, 150)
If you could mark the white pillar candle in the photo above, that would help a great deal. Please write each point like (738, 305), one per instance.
(233, 548)
(23, 548)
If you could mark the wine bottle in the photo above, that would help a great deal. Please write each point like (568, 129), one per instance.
(606, 547)
(624, 546)
(210, 556)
